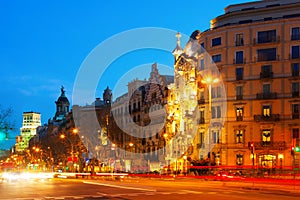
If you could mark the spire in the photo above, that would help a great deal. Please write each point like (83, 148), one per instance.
(177, 51)
(62, 89)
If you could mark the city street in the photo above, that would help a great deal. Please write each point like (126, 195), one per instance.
(135, 188)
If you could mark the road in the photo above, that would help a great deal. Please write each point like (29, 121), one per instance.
(132, 189)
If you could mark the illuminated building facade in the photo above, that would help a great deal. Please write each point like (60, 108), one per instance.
(31, 120)
(256, 48)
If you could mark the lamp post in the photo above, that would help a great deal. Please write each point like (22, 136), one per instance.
(62, 136)
(131, 145)
(209, 81)
(280, 156)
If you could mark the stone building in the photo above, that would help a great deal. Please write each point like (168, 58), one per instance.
(256, 49)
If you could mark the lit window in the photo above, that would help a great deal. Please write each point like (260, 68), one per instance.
(239, 136)
(266, 110)
(266, 136)
(239, 159)
(239, 114)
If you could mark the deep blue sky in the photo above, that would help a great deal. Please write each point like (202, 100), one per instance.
(43, 44)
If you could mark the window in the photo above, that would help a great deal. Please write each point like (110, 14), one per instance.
(295, 133)
(266, 71)
(217, 58)
(239, 92)
(239, 39)
(266, 137)
(153, 96)
(202, 64)
(266, 54)
(216, 41)
(239, 114)
(201, 119)
(295, 52)
(216, 92)
(239, 72)
(215, 136)
(266, 88)
(266, 110)
(295, 69)
(201, 138)
(202, 95)
(239, 159)
(266, 36)
(239, 136)
(216, 112)
(202, 47)
(295, 111)
(295, 33)
(239, 57)
(295, 89)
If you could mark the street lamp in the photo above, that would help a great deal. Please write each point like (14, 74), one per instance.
(62, 136)
(209, 81)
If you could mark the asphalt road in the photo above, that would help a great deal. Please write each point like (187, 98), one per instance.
(132, 189)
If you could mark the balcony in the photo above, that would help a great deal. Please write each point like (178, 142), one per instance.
(201, 101)
(274, 145)
(200, 145)
(239, 43)
(201, 121)
(270, 57)
(239, 97)
(239, 61)
(266, 75)
(295, 94)
(266, 118)
(264, 40)
(295, 73)
(295, 116)
(272, 95)
(239, 118)
(239, 77)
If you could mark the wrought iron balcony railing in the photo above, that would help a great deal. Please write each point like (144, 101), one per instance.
(275, 145)
(271, 95)
(267, 118)
(266, 75)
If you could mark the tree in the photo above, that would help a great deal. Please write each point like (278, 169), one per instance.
(5, 120)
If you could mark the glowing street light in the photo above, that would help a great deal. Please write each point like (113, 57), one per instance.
(209, 81)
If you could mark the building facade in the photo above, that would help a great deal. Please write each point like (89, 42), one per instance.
(31, 120)
(256, 48)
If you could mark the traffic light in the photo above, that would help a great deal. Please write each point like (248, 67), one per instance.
(297, 149)
(292, 150)
(251, 146)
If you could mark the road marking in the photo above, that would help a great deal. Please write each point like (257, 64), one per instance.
(165, 193)
(102, 194)
(191, 191)
(118, 186)
(211, 193)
